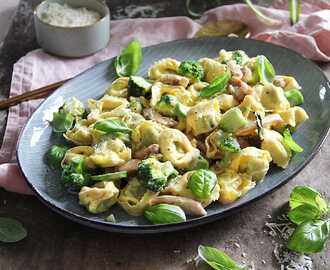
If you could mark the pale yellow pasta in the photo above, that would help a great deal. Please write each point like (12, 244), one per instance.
(294, 116)
(80, 134)
(162, 67)
(226, 102)
(252, 161)
(118, 87)
(195, 88)
(287, 82)
(134, 198)
(176, 147)
(110, 153)
(273, 143)
(225, 56)
(212, 143)
(203, 117)
(160, 89)
(250, 74)
(99, 198)
(82, 152)
(273, 98)
(146, 133)
(212, 69)
(233, 186)
(179, 187)
(251, 105)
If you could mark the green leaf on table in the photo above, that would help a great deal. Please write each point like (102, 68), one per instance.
(309, 237)
(217, 86)
(303, 213)
(62, 121)
(294, 7)
(11, 230)
(265, 70)
(217, 259)
(129, 61)
(301, 195)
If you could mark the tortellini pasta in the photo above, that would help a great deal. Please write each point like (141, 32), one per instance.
(273, 143)
(203, 117)
(134, 198)
(110, 153)
(99, 198)
(212, 69)
(176, 147)
(179, 134)
(233, 185)
(252, 161)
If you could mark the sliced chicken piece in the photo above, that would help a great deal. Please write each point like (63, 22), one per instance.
(174, 79)
(145, 152)
(130, 166)
(250, 129)
(150, 114)
(189, 206)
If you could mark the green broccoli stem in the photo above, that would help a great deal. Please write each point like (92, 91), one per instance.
(109, 176)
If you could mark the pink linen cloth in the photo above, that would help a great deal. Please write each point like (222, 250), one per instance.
(310, 37)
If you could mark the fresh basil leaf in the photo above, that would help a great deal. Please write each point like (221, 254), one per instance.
(294, 7)
(217, 86)
(301, 195)
(303, 213)
(129, 61)
(265, 70)
(290, 143)
(309, 237)
(11, 230)
(164, 214)
(217, 259)
(112, 126)
(62, 121)
(55, 156)
(201, 183)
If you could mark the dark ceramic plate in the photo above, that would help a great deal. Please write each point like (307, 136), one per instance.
(37, 136)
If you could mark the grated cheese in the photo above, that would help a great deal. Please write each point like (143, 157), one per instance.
(67, 16)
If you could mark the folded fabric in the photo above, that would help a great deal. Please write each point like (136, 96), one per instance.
(310, 37)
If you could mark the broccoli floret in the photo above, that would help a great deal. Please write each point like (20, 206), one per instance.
(170, 106)
(155, 174)
(74, 174)
(191, 69)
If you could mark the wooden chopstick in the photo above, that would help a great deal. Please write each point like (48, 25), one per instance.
(34, 94)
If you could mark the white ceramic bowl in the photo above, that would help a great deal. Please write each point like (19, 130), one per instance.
(74, 41)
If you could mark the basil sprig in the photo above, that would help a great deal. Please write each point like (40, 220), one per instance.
(62, 121)
(265, 70)
(164, 214)
(11, 230)
(310, 212)
(217, 86)
(217, 259)
(129, 61)
(201, 183)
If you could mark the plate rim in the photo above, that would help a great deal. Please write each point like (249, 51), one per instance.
(148, 229)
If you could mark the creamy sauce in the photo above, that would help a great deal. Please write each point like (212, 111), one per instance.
(67, 16)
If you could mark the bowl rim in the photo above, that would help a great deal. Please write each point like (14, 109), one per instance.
(106, 16)
(152, 229)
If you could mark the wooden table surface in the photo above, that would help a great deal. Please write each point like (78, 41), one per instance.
(56, 243)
